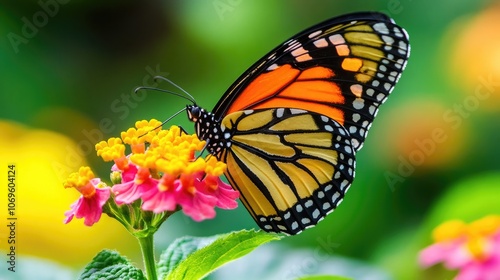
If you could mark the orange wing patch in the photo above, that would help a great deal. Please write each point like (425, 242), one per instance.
(314, 91)
(323, 109)
(317, 72)
(288, 87)
(263, 87)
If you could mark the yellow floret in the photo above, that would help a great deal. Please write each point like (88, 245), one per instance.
(80, 178)
(147, 159)
(196, 166)
(144, 131)
(152, 124)
(110, 150)
(131, 136)
(215, 167)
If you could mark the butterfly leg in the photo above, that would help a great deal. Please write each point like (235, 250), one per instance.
(182, 130)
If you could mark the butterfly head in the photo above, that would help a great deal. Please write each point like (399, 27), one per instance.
(194, 112)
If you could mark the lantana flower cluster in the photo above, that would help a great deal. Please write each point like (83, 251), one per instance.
(161, 174)
(473, 249)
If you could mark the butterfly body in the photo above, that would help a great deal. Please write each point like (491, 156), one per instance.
(209, 129)
(290, 126)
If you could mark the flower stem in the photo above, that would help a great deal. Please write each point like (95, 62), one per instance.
(148, 256)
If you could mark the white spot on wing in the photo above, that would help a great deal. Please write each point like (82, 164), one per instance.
(371, 109)
(315, 33)
(280, 112)
(287, 216)
(298, 52)
(315, 214)
(398, 32)
(381, 27)
(358, 103)
(321, 43)
(272, 67)
(337, 39)
(402, 47)
(344, 184)
(387, 86)
(320, 194)
(292, 44)
(335, 196)
(296, 111)
(357, 90)
(355, 142)
(388, 40)
(308, 203)
(299, 208)
(348, 149)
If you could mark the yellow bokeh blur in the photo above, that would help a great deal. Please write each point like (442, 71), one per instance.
(42, 160)
(475, 54)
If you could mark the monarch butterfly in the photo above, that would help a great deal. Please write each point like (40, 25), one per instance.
(290, 126)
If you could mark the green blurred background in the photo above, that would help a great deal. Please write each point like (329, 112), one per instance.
(68, 70)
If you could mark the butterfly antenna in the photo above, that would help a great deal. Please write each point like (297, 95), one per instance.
(188, 96)
(164, 90)
(165, 121)
(173, 116)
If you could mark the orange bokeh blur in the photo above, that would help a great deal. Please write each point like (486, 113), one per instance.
(475, 54)
(423, 133)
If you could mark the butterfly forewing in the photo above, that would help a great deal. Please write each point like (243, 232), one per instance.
(343, 68)
(291, 167)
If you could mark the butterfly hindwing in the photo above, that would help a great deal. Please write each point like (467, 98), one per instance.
(292, 167)
(343, 68)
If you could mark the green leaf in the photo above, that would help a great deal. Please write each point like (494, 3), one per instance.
(108, 265)
(179, 250)
(195, 258)
(323, 277)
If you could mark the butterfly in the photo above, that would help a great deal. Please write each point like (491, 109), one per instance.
(289, 128)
